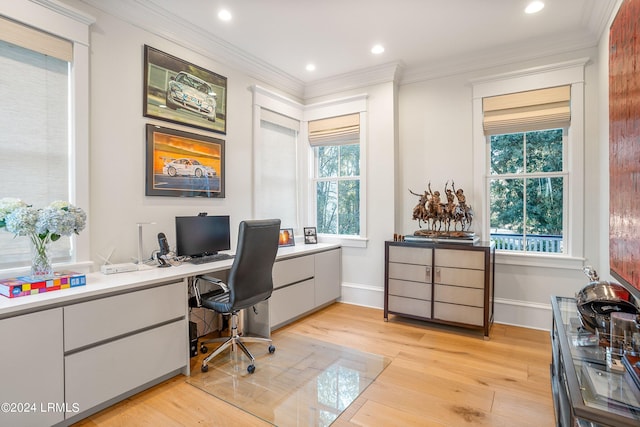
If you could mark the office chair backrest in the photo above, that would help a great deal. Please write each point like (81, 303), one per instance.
(250, 278)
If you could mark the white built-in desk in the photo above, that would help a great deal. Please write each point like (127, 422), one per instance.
(69, 353)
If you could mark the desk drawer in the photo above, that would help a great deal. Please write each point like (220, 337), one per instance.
(105, 318)
(293, 270)
(106, 371)
(287, 303)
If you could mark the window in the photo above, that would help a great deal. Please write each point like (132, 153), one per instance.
(45, 66)
(338, 189)
(336, 151)
(528, 135)
(278, 174)
(526, 187)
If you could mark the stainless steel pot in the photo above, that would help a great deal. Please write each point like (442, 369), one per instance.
(600, 298)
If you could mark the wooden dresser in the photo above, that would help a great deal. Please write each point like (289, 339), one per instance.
(449, 283)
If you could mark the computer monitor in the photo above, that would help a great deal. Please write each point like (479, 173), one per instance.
(202, 235)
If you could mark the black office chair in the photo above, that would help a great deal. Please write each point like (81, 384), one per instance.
(250, 281)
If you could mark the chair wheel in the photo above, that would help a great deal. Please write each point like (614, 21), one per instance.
(203, 349)
(204, 368)
(272, 349)
(251, 369)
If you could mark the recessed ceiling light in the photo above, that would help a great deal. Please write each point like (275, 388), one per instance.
(534, 7)
(377, 49)
(311, 67)
(224, 15)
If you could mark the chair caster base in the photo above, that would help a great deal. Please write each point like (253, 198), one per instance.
(272, 349)
(204, 368)
(251, 369)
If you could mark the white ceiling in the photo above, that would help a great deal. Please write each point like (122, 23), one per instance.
(337, 35)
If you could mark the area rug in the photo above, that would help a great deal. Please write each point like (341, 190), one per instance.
(304, 383)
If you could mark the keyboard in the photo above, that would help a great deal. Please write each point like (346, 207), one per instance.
(210, 258)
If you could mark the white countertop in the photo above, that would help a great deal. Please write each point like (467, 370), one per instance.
(99, 284)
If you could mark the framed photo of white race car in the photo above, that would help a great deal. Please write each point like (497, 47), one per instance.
(180, 92)
(184, 164)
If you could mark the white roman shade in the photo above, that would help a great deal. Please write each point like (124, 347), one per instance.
(35, 40)
(339, 130)
(527, 111)
(279, 119)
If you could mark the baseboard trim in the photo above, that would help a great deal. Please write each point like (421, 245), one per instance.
(526, 314)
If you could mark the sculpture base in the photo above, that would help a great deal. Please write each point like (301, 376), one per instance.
(442, 236)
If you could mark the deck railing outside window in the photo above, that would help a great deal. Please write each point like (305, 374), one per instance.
(534, 243)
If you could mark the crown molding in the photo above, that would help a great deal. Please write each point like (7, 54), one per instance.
(65, 10)
(157, 21)
(383, 73)
(509, 54)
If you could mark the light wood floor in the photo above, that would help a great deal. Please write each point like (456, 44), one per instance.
(439, 376)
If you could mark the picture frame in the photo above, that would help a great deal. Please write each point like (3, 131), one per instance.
(184, 164)
(286, 237)
(310, 236)
(180, 92)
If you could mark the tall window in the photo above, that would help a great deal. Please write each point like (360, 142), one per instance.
(336, 148)
(35, 158)
(526, 187)
(277, 197)
(527, 178)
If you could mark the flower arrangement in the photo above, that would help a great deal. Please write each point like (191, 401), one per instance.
(42, 226)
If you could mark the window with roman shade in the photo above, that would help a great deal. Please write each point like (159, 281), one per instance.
(526, 111)
(336, 146)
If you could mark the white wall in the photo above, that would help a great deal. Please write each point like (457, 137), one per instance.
(117, 143)
(435, 144)
(417, 133)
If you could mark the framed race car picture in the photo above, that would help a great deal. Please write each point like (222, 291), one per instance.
(180, 92)
(183, 164)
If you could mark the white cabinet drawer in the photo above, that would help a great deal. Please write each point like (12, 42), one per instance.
(410, 255)
(459, 295)
(459, 258)
(291, 301)
(415, 307)
(459, 277)
(103, 372)
(410, 289)
(416, 273)
(292, 270)
(458, 313)
(98, 320)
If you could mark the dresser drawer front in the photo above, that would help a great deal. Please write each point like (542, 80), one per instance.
(459, 258)
(410, 289)
(414, 307)
(105, 318)
(459, 295)
(412, 272)
(410, 255)
(459, 277)
(458, 313)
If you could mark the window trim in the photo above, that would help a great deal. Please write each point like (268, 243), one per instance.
(564, 174)
(565, 73)
(333, 108)
(65, 22)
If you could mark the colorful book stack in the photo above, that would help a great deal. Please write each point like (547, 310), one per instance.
(26, 285)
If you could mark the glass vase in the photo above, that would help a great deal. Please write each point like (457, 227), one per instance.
(40, 257)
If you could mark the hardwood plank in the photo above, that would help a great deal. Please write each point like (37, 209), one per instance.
(438, 376)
